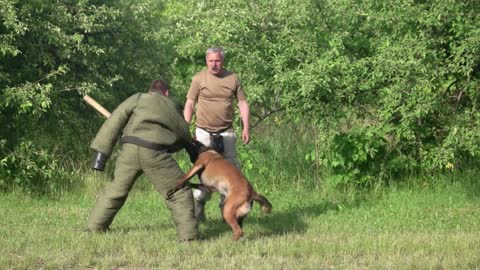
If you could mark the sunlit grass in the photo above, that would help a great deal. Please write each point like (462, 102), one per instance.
(420, 222)
(394, 228)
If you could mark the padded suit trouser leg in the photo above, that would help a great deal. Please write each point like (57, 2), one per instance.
(163, 171)
(164, 178)
(114, 193)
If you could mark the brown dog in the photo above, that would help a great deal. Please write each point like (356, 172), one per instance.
(218, 174)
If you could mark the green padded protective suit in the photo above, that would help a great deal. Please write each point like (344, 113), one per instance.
(154, 118)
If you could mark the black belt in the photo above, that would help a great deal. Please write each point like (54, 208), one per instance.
(143, 143)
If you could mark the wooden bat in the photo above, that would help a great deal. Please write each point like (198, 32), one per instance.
(90, 101)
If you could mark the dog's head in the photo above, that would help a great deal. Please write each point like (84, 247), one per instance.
(199, 147)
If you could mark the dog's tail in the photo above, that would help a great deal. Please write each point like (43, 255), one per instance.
(266, 205)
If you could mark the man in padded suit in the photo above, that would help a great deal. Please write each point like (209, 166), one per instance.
(153, 128)
(214, 91)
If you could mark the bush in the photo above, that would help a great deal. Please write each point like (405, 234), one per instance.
(36, 170)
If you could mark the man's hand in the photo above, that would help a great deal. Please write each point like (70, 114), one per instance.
(245, 136)
(244, 115)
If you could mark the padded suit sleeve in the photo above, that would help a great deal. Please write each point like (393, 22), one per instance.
(175, 122)
(112, 128)
(183, 128)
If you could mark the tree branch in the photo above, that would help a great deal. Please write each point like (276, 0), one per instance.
(265, 115)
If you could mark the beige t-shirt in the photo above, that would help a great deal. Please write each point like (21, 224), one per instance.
(215, 96)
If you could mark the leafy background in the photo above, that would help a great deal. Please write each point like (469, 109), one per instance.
(371, 89)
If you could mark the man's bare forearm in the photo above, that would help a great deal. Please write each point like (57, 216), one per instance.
(244, 114)
(188, 110)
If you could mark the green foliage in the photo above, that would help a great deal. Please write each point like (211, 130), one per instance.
(35, 170)
(404, 76)
(359, 155)
(387, 86)
(106, 49)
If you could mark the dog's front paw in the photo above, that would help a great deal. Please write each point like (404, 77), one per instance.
(171, 191)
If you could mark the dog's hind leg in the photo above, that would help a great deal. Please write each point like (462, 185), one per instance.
(229, 216)
(242, 212)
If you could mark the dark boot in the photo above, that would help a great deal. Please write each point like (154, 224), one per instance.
(200, 211)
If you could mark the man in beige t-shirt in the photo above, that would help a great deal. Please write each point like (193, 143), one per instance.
(214, 92)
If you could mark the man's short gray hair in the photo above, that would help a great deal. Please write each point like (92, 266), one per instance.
(216, 50)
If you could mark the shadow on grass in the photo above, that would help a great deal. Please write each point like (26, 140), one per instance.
(121, 229)
(282, 221)
(276, 223)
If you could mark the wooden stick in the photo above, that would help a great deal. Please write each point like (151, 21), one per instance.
(90, 101)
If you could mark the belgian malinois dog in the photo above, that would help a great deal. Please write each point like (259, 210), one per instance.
(218, 174)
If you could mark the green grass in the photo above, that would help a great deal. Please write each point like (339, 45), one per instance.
(418, 227)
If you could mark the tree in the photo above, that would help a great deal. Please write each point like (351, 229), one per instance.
(104, 48)
(391, 86)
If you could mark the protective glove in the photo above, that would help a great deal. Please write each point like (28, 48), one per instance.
(99, 161)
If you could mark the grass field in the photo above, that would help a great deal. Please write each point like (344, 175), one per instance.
(419, 227)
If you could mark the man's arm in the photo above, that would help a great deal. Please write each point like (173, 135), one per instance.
(188, 110)
(244, 115)
(112, 128)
